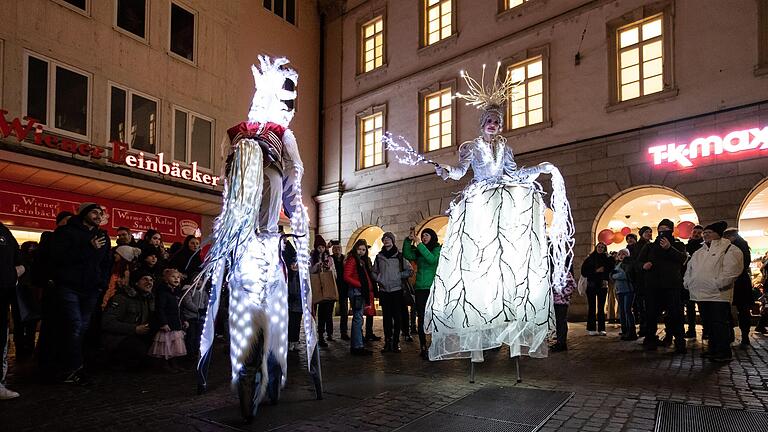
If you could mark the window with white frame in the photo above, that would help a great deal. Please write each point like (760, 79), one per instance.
(372, 44)
(81, 6)
(182, 39)
(370, 131)
(509, 4)
(285, 9)
(192, 137)
(641, 58)
(438, 20)
(58, 96)
(526, 104)
(438, 120)
(131, 16)
(133, 118)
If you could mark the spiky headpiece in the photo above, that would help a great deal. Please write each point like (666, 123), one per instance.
(491, 97)
(269, 98)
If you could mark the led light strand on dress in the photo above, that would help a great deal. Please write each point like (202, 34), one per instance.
(404, 151)
(495, 95)
(561, 231)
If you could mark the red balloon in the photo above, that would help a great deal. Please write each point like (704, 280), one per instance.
(618, 237)
(685, 229)
(605, 236)
(626, 231)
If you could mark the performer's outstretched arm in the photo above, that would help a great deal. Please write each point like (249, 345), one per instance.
(457, 172)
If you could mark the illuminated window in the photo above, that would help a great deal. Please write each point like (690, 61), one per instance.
(438, 17)
(641, 58)
(513, 3)
(438, 121)
(526, 104)
(372, 55)
(371, 128)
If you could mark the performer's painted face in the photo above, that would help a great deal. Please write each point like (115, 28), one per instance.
(492, 124)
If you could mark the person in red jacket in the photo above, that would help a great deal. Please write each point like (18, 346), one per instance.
(358, 276)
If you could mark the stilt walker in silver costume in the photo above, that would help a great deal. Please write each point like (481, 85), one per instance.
(262, 176)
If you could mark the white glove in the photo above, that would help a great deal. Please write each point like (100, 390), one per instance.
(443, 171)
(546, 167)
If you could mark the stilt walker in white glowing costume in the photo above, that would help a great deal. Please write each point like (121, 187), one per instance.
(263, 174)
(494, 283)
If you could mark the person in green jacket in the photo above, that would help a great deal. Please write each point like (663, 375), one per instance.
(426, 253)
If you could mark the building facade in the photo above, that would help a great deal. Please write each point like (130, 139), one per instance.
(650, 109)
(127, 103)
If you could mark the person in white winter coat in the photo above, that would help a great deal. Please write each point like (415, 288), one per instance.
(709, 277)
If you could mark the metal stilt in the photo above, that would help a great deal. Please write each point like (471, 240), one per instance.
(517, 368)
(471, 372)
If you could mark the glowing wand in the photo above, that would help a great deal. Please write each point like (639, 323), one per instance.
(404, 152)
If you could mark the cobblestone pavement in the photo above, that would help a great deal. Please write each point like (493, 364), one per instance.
(616, 387)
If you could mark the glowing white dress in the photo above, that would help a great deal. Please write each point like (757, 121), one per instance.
(492, 284)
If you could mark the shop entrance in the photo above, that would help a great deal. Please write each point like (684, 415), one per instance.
(753, 223)
(632, 209)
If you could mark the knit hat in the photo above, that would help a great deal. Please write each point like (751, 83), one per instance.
(334, 243)
(667, 223)
(62, 215)
(128, 253)
(136, 275)
(319, 241)
(625, 250)
(644, 229)
(718, 227)
(87, 207)
(390, 235)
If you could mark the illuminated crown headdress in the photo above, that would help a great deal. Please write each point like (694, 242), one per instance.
(488, 97)
(269, 99)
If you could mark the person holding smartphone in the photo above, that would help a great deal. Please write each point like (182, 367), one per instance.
(662, 264)
(80, 261)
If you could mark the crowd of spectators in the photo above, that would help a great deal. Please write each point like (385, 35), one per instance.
(663, 280)
(126, 303)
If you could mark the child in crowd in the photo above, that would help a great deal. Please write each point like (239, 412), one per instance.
(622, 277)
(561, 301)
(168, 343)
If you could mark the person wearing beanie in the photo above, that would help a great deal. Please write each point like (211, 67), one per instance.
(694, 244)
(321, 262)
(389, 270)
(597, 268)
(80, 263)
(126, 321)
(710, 277)
(661, 263)
(425, 250)
(742, 287)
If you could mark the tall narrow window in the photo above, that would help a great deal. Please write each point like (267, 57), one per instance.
(131, 16)
(372, 55)
(641, 58)
(285, 9)
(438, 20)
(57, 96)
(182, 32)
(526, 104)
(133, 119)
(192, 138)
(81, 6)
(438, 120)
(371, 129)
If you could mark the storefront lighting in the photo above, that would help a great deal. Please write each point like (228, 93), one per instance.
(705, 147)
(753, 233)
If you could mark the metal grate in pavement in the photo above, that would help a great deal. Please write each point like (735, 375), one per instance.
(509, 409)
(677, 417)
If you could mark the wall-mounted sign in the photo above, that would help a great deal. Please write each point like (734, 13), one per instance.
(30, 131)
(741, 141)
(32, 207)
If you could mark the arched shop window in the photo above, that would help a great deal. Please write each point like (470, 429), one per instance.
(632, 209)
(437, 223)
(753, 220)
(372, 235)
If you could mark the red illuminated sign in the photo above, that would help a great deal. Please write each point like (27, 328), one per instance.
(33, 207)
(740, 141)
(120, 153)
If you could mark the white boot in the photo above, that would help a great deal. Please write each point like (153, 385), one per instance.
(7, 394)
